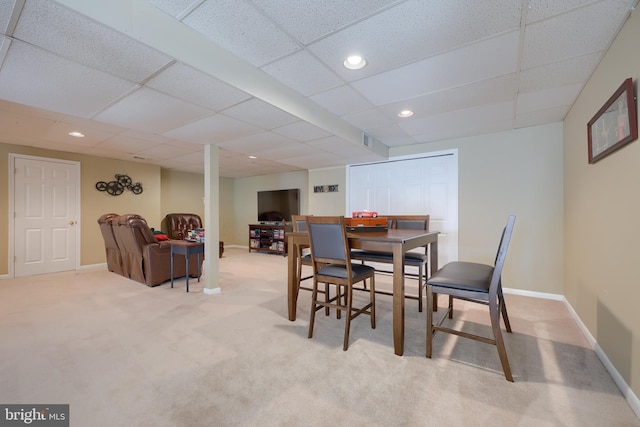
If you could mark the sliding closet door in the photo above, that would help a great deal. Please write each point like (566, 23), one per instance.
(411, 186)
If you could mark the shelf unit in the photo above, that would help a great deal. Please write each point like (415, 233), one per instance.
(269, 238)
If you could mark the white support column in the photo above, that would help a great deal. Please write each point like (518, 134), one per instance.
(211, 220)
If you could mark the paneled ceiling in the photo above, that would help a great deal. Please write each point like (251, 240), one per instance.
(154, 81)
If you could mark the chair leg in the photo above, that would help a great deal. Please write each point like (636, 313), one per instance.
(494, 312)
(429, 320)
(314, 296)
(327, 310)
(503, 309)
(372, 299)
(450, 307)
(420, 288)
(347, 325)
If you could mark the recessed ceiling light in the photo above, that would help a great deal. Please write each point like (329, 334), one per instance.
(355, 62)
(252, 157)
(77, 134)
(405, 113)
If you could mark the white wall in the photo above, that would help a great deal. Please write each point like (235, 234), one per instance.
(517, 172)
(327, 203)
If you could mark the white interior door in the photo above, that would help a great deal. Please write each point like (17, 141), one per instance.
(46, 215)
(412, 186)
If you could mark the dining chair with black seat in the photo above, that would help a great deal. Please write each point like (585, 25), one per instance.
(478, 283)
(411, 259)
(331, 258)
(299, 224)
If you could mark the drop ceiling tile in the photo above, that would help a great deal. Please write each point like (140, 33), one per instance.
(16, 124)
(490, 58)
(99, 151)
(66, 33)
(177, 165)
(59, 132)
(187, 146)
(283, 153)
(549, 98)
(458, 122)
(543, 9)
(162, 152)
(6, 9)
(442, 133)
(239, 28)
(127, 144)
(575, 70)
(151, 111)
(434, 28)
(301, 131)
(260, 114)
(4, 48)
(342, 100)
(308, 20)
(193, 158)
(485, 91)
(253, 144)
(196, 87)
(212, 130)
(587, 30)
(302, 72)
(174, 8)
(535, 118)
(55, 83)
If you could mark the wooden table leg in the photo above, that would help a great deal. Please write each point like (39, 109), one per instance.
(398, 299)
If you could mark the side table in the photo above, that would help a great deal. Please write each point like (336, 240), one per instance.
(186, 248)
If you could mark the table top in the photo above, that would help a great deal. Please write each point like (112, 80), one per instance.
(392, 234)
(184, 243)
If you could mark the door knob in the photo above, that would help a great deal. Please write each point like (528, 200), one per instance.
(73, 222)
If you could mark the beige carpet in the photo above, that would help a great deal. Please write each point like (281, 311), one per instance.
(123, 354)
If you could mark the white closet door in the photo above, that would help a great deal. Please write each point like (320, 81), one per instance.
(46, 215)
(412, 186)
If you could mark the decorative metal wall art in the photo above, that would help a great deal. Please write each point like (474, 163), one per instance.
(116, 187)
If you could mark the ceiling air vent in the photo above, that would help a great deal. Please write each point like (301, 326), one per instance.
(367, 141)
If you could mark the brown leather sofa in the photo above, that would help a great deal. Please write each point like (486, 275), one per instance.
(179, 224)
(144, 258)
(114, 256)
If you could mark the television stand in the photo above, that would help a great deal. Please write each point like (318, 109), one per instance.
(269, 238)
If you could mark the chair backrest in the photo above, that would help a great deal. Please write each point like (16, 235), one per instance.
(179, 224)
(328, 240)
(299, 223)
(106, 228)
(496, 279)
(410, 222)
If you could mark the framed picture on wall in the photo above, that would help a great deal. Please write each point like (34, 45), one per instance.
(615, 124)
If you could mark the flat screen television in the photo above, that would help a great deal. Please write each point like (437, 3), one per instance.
(278, 205)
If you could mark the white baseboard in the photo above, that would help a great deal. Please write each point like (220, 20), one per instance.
(92, 266)
(533, 294)
(237, 247)
(631, 397)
